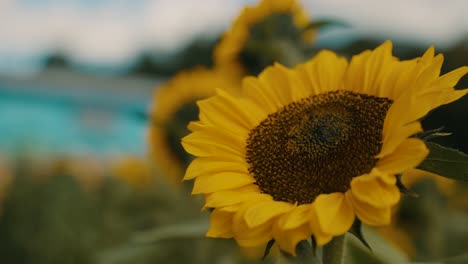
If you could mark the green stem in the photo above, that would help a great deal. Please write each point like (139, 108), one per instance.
(334, 251)
(304, 255)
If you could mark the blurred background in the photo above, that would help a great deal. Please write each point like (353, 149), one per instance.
(76, 81)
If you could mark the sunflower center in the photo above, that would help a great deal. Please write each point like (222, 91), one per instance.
(316, 145)
(176, 129)
(269, 41)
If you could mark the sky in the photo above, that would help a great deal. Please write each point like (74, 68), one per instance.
(114, 32)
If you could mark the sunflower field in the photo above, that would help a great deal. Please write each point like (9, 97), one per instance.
(261, 145)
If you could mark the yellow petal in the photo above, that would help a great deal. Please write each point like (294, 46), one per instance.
(429, 54)
(431, 72)
(368, 214)
(451, 79)
(367, 71)
(221, 181)
(240, 108)
(220, 224)
(256, 92)
(379, 64)
(320, 237)
(372, 190)
(288, 240)
(205, 143)
(323, 73)
(196, 126)
(276, 79)
(260, 213)
(231, 208)
(334, 214)
(215, 113)
(416, 103)
(231, 197)
(452, 96)
(394, 136)
(409, 154)
(253, 238)
(210, 165)
(296, 217)
(250, 237)
(354, 77)
(433, 98)
(395, 82)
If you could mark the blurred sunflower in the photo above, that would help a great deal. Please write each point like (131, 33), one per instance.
(271, 31)
(133, 170)
(444, 185)
(416, 220)
(174, 106)
(305, 151)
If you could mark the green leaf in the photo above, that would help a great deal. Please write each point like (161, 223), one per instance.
(455, 260)
(382, 251)
(334, 251)
(446, 162)
(319, 24)
(313, 245)
(356, 230)
(267, 248)
(304, 255)
(195, 229)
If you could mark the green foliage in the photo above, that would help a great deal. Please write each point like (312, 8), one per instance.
(435, 222)
(382, 252)
(446, 162)
(48, 217)
(305, 254)
(47, 223)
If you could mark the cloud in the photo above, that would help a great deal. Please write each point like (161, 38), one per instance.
(420, 21)
(108, 33)
(114, 32)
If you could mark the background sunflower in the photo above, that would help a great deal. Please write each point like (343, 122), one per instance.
(173, 108)
(263, 34)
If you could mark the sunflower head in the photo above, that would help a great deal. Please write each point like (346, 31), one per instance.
(173, 108)
(305, 151)
(271, 31)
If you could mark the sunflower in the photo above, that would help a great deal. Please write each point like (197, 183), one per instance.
(174, 106)
(305, 151)
(133, 170)
(261, 34)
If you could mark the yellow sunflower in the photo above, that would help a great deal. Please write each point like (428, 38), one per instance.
(305, 151)
(173, 108)
(258, 37)
(134, 170)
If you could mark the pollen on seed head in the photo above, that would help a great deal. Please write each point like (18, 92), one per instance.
(316, 145)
